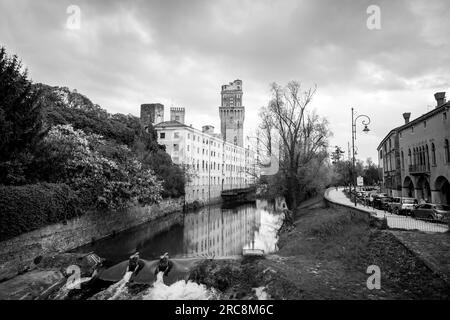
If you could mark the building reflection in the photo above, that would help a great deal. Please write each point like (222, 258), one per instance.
(214, 231)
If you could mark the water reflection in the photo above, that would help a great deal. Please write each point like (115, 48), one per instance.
(210, 232)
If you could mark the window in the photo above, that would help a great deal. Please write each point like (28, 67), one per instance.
(176, 147)
(176, 135)
(409, 157)
(403, 161)
(189, 135)
(412, 129)
(188, 149)
(424, 124)
(162, 135)
(447, 151)
(444, 115)
(433, 154)
(177, 118)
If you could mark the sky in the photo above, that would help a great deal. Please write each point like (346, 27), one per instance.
(121, 54)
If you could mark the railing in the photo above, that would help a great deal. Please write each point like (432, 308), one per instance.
(404, 222)
(419, 168)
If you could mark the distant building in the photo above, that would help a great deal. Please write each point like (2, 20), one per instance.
(216, 164)
(416, 156)
(177, 114)
(232, 113)
(152, 113)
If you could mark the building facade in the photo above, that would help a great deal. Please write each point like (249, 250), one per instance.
(232, 113)
(389, 160)
(152, 113)
(423, 155)
(213, 163)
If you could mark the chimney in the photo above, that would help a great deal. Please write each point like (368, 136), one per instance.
(406, 116)
(440, 98)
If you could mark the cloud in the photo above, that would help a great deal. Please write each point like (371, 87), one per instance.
(181, 52)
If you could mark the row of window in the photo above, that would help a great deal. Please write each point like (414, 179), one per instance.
(176, 135)
(420, 156)
(444, 117)
(213, 165)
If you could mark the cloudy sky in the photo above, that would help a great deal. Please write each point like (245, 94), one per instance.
(180, 53)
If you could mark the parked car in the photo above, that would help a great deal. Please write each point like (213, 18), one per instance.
(403, 206)
(380, 201)
(431, 211)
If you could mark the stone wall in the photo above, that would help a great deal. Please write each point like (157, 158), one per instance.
(18, 252)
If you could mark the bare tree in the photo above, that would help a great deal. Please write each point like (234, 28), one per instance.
(303, 137)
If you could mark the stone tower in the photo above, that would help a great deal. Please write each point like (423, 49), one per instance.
(177, 114)
(232, 113)
(152, 113)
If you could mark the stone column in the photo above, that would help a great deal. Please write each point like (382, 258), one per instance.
(418, 194)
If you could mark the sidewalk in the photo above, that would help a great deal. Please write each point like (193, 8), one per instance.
(394, 221)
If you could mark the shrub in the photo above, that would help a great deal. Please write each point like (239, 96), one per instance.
(30, 207)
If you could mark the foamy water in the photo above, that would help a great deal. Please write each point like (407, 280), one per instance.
(261, 293)
(120, 287)
(70, 285)
(180, 290)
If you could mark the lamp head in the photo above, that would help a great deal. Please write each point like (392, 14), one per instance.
(366, 129)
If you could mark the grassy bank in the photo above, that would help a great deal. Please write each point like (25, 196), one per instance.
(326, 256)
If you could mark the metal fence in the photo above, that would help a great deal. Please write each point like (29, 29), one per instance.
(395, 221)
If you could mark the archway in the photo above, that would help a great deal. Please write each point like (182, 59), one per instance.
(442, 186)
(424, 190)
(408, 187)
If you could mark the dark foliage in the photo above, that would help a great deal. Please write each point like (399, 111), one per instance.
(63, 106)
(29, 207)
(21, 127)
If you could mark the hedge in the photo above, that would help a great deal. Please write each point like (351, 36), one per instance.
(30, 207)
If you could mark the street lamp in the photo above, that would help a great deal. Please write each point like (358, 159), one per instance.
(365, 120)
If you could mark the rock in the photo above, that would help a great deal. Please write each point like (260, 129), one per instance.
(29, 285)
(62, 261)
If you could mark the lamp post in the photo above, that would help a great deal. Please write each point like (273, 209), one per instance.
(365, 120)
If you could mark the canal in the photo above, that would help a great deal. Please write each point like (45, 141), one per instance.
(212, 231)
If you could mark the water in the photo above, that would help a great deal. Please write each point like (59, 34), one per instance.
(209, 232)
(212, 231)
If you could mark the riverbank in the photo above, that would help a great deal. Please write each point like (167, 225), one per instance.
(17, 254)
(325, 255)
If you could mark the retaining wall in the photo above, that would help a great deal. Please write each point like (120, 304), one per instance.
(19, 252)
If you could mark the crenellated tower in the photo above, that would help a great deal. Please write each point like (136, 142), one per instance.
(232, 113)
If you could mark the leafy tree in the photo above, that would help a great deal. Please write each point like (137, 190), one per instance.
(21, 127)
(303, 139)
(104, 174)
(371, 173)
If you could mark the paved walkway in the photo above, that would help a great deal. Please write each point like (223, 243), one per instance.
(394, 221)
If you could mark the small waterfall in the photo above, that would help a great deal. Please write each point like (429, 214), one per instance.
(180, 290)
(63, 292)
(119, 287)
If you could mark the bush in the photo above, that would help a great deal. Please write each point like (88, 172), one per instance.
(30, 207)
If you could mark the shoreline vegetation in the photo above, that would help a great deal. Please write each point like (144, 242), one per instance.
(325, 255)
(62, 155)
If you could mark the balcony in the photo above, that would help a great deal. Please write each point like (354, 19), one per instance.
(417, 169)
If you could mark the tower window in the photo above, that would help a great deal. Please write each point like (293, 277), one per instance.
(162, 135)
